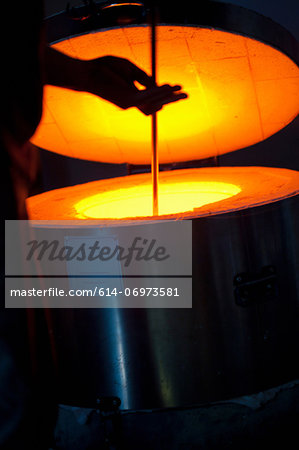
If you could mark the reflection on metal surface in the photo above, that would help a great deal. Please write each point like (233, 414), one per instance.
(119, 356)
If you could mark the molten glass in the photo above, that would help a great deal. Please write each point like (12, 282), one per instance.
(188, 193)
(174, 197)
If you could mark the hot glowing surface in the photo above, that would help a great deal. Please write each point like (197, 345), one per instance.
(186, 193)
(240, 92)
(175, 197)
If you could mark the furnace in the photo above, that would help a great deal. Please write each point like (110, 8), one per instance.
(241, 73)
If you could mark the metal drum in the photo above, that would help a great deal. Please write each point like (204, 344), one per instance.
(241, 335)
(241, 72)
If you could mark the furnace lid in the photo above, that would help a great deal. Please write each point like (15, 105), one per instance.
(241, 91)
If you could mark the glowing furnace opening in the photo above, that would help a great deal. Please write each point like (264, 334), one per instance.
(136, 201)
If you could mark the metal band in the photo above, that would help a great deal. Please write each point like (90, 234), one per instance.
(226, 17)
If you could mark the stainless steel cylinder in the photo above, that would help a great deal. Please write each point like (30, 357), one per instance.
(240, 336)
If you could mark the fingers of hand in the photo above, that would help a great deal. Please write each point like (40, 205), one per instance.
(150, 108)
(113, 79)
(158, 92)
(152, 100)
(142, 77)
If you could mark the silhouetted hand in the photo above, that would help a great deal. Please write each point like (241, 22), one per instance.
(111, 78)
(114, 78)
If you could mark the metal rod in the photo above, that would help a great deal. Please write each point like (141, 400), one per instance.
(155, 159)
(155, 166)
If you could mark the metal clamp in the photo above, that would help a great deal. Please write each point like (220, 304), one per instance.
(253, 288)
(121, 12)
(108, 408)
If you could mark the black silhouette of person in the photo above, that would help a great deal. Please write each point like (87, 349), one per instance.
(27, 395)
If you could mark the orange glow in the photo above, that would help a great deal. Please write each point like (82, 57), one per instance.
(186, 193)
(174, 197)
(240, 92)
